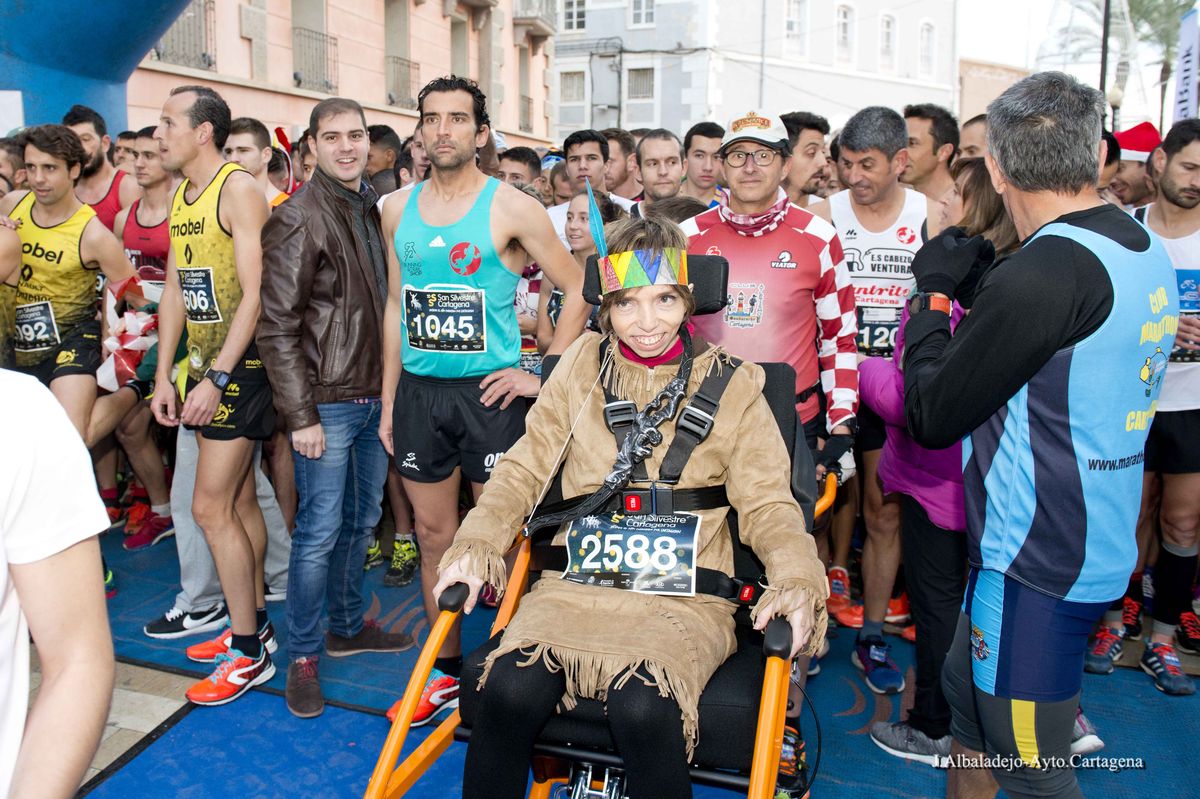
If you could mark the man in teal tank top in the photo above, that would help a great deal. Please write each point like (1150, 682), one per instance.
(452, 393)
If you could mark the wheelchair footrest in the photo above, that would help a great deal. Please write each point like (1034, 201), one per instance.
(584, 776)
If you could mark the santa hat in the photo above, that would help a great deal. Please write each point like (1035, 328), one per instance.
(1138, 142)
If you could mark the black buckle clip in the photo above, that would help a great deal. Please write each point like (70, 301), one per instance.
(620, 412)
(695, 421)
(653, 501)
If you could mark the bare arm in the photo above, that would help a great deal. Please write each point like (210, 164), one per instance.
(822, 210)
(128, 191)
(9, 201)
(545, 328)
(170, 329)
(99, 246)
(392, 210)
(62, 597)
(535, 233)
(245, 212)
(119, 225)
(10, 256)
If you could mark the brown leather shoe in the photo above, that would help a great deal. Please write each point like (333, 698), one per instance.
(303, 690)
(371, 638)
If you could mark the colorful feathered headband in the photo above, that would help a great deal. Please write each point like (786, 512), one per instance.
(627, 270)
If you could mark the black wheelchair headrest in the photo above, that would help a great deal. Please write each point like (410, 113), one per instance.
(708, 274)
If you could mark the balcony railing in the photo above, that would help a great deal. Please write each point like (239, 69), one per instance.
(403, 81)
(539, 16)
(314, 60)
(191, 40)
(526, 121)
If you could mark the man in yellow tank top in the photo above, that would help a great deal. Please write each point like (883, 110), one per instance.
(213, 272)
(56, 334)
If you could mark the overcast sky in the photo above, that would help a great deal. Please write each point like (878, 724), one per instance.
(1011, 31)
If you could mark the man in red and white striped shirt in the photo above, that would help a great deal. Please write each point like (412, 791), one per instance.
(790, 301)
(790, 296)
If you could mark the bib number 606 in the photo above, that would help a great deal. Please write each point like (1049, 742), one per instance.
(616, 553)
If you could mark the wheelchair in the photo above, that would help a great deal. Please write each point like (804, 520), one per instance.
(741, 711)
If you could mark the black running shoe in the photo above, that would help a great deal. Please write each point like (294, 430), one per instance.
(1187, 636)
(405, 560)
(175, 623)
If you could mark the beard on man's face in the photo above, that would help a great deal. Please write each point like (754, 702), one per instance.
(93, 166)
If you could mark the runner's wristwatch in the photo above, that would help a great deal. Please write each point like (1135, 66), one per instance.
(219, 379)
(923, 300)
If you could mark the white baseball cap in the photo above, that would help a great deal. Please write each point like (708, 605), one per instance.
(763, 128)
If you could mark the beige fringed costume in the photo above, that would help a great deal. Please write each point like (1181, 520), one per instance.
(601, 636)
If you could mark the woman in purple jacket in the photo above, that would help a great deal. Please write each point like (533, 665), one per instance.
(932, 539)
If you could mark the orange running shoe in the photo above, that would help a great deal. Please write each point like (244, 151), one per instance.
(209, 651)
(852, 617)
(136, 516)
(441, 693)
(235, 675)
(839, 590)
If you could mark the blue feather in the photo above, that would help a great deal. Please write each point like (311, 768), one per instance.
(596, 224)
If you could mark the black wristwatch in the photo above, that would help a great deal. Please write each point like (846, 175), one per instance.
(922, 301)
(219, 379)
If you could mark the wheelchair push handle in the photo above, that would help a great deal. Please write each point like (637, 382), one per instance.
(454, 597)
(828, 494)
(777, 638)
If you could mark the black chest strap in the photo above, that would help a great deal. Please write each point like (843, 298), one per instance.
(695, 421)
(694, 424)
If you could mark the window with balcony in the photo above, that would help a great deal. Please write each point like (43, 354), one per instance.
(570, 87)
(928, 48)
(574, 15)
(314, 60)
(845, 33)
(795, 27)
(191, 40)
(641, 84)
(887, 42)
(641, 12)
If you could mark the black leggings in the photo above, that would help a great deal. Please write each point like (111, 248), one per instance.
(518, 701)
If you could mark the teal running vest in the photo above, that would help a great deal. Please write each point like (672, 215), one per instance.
(1052, 481)
(458, 316)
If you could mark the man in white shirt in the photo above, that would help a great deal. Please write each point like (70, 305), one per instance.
(51, 588)
(587, 157)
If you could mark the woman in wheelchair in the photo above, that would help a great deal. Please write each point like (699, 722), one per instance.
(627, 620)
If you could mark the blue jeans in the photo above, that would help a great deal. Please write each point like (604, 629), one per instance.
(341, 495)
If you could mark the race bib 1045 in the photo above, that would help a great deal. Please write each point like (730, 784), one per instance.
(36, 328)
(445, 319)
(199, 296)
(647, 554)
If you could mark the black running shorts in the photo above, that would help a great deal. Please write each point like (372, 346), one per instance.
(1173, 445)
(440, 424)
(78, 354)
(246, 410)
(871, 431)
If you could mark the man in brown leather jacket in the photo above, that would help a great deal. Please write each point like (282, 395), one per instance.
(323, 291)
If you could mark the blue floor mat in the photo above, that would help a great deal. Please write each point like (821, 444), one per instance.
(148, 580)
(256, 739)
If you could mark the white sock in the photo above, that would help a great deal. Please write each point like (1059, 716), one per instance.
(161, 510)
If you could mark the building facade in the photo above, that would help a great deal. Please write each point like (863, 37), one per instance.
(672, 63)
(981, 82)
(274, 59)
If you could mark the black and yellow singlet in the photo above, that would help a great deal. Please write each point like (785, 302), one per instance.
(207, 270)
(56, 290)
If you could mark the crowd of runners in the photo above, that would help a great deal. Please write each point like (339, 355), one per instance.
(354, 327)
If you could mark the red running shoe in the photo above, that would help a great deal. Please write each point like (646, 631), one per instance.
(235, 675)
(209, 651)
(441, 693)
(152, 530)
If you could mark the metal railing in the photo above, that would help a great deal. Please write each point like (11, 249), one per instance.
(314, 60)
(191, 40)
(403, 81)
(526, 121)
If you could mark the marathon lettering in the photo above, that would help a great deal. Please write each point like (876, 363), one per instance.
(1157, 331)
(36, 250)
(188, 227)
(1108, 465)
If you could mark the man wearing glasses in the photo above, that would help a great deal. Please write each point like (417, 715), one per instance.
(790, 301)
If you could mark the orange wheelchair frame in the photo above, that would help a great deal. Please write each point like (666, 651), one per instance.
(389, 781)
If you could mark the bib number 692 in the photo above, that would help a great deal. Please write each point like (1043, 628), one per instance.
(616, 553)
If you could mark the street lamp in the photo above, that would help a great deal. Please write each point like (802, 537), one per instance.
(1115, 96)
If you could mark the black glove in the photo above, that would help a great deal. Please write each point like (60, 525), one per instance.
(835, 447)
(950, 262)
